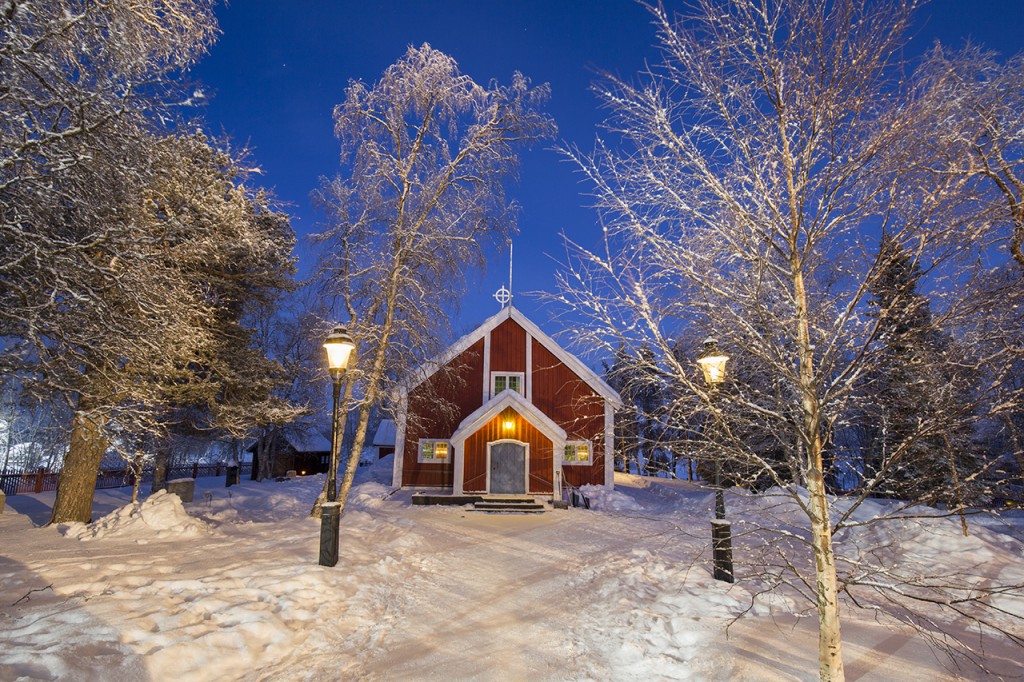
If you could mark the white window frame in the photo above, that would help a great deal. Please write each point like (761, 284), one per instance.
(577, 463)
(433, 460)
(519, 375)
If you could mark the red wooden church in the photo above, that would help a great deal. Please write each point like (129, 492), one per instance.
(522, 415)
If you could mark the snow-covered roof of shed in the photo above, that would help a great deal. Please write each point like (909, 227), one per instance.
(385, 433)
(306, 440)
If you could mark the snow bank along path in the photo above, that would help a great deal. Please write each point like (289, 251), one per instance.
(228, 587)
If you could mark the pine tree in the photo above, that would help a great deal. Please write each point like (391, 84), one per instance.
(913, 378)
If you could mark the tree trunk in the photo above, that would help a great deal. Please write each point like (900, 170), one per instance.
(136, 465)
(81, 465)
(160, 461)
(355, 452)
(830, 645)
(339, 432)
(265, 453)
(372, 386)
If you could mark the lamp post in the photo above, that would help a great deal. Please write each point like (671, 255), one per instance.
(712, 364)
(339, 346)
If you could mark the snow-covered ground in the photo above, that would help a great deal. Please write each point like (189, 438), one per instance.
(228, 588)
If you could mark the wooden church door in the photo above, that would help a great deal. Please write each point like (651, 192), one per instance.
(508, 468)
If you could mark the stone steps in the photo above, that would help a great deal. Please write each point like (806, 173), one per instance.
(512, 505)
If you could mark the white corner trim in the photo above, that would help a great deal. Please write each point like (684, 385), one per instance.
(403, 417)
(609, 445)
(529, 366)
(460, 469)
(487, 367)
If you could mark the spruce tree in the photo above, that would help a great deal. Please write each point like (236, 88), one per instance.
(915, 377)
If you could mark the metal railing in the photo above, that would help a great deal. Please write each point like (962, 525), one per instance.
(572, 495)
(41, 480)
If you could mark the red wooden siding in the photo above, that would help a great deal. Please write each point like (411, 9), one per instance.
(541, 452)
(461, 386)
(560, 394)
(508, 348)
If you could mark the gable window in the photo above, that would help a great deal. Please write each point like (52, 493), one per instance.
(576, 452)
(434, 451)
(502, 381)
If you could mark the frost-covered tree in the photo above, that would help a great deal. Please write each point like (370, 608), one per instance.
(426, 155)
(234, 252)
(743, 185)
(291, 335)
(79, 79)
(622, 376)
(126, 248)
(920, 371)
(213, 248)
(639, 424)
(971, 107)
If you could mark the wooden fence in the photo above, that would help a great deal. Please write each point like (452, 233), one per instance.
(14, 483)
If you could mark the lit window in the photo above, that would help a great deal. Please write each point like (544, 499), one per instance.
(506, 381)
(576, 452)
(434, 451)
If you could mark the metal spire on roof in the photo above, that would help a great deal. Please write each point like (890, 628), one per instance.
(504, 296)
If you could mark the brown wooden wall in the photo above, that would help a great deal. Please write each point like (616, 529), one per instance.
(508, 348)
(460, 383)
(559, 393)
(541, 452)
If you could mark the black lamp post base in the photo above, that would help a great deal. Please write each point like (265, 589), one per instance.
(330, 526)
(721, 543)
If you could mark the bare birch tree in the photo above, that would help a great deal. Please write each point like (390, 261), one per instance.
(971, 108)
(426, 153)
(744, 188)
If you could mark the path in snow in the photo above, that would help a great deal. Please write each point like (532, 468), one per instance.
(424, 593)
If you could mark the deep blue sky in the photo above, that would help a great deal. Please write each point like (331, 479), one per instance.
(280, 67)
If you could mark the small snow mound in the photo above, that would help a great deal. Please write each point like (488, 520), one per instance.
(160, 516)
(369, 495)
(609, 500)
(380, 471)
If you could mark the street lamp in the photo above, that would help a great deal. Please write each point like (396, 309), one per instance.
(339, 346)
(712, 363)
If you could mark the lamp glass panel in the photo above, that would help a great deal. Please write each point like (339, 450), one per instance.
(338, 354)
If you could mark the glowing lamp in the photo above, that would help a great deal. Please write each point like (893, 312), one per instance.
(712, 362)
(508, 424)
(339, 346)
